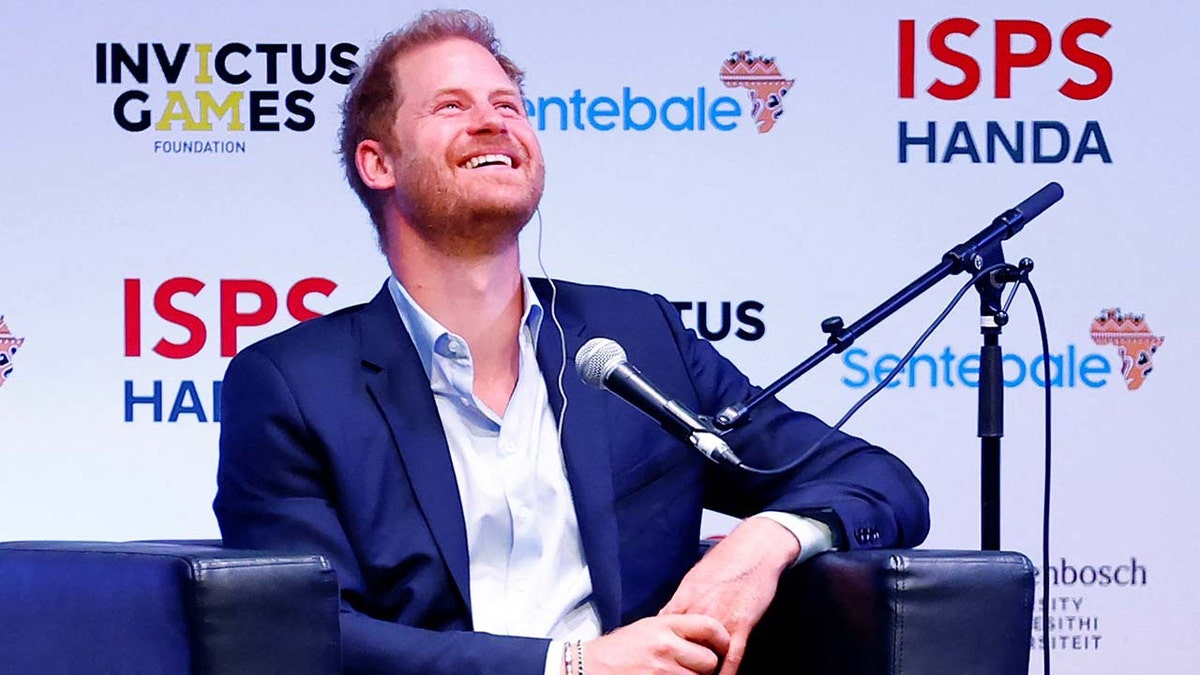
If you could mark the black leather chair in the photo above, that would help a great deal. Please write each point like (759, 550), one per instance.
(187, 608)
(889, 612)
(170, 608)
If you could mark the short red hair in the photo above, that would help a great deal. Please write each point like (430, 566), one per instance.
(371, 99)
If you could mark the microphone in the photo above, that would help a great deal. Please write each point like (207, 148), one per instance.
(1014, 219)
(969, 254)
(601, 363)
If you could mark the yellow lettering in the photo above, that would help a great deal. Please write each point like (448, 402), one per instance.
(232, 105)
(177, 110)
(204, 76)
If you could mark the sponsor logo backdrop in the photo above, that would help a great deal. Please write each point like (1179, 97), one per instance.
(173, 193)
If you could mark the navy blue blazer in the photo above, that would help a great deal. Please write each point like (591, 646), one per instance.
(331, 442)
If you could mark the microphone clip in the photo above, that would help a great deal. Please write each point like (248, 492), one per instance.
(707, 439)
(703, 435)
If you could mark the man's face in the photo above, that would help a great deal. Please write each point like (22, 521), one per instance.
(469, 170)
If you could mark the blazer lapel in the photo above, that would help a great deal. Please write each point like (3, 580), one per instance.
(400, 388)
(586, 454)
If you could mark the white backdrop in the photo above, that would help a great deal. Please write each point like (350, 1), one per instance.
(816, 217)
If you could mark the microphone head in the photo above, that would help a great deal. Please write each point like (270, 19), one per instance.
(596, 360)
(1039, 201)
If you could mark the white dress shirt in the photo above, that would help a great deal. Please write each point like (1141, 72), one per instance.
(528, 575)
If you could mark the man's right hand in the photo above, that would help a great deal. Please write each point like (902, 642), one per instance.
(676, 643)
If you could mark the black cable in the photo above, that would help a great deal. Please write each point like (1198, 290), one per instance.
(1037, 306)
(1023, 278)
(883, 383)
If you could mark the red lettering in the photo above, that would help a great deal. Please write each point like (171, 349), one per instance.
(197, 334)
(1090, 60)
(303, 289)
(908, 69)
(1007, 59)
(964, 62)
(232, 319)
(1019, 43)
(133, 317)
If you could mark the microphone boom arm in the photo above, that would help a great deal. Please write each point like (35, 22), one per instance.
(973, 254)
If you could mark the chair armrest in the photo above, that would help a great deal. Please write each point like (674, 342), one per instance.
(158, 607)
(881, 612)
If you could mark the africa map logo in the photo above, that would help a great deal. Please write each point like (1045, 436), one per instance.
(1135, 343)
(9, 344)
(767, 86)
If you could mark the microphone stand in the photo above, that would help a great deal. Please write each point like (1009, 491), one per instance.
(992, 319)
(974, 255)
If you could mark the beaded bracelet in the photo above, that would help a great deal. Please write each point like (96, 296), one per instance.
(573, 658)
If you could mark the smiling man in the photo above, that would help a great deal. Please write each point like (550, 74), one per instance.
(484, 513)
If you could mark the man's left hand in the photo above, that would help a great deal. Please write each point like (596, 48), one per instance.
(736, 581)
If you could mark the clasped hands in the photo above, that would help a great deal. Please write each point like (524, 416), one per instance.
(708, 620)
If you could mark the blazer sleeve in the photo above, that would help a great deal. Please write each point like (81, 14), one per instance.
(868, 497)
(274, 493)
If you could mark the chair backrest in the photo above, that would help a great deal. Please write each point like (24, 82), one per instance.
(162, 607)
(883, 612)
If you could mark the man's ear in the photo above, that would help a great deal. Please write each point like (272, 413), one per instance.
(374, 167)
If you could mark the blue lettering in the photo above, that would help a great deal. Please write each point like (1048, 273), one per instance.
(1071, 365)
(949, 369)
(610, 109)
(154, 399)
(884, 366)
(723, 107)
(1087, 369)
(1015, 149)
(544, 103)
(1036, 368)
(1092, 143)
(577, 101)
(650, 115)
(947, 359)
(1020, 363)
(912, 369)
(187, 390)
(1050, 140)
(636, 113)
(968, 370)
(927, 140)
(1064, 142)
(848, 360)
(961, 143)
(689, 114)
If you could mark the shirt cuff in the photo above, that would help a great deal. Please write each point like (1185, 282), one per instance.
(814, 536)
(554, 658)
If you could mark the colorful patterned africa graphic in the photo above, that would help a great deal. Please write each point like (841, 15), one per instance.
(1134, 341)
(765, 83)
(8, 350)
